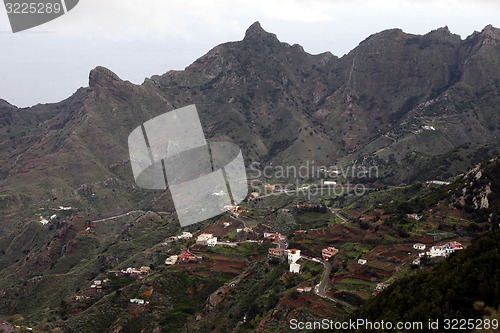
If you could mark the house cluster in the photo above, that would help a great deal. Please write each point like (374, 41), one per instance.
(81, 297)
(380, 286)
(136, 271)
(94, 290)
(233, 209)
(329, 252)
(439, 250)
(291, 255)
(184, 236)
(186, 257)
(206, 239)
(244, 230)
(97, 285)
(275, 237)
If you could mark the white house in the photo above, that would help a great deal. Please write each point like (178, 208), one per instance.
(437, 251)
(329, 182)
(185, 235)
(171, 260)
(294, 268)
(137, 301)
(419, 246)
(203, 238)
(293, 255)
(212, 241)
(442, 250)
(304, 289)
(362, 261)
(448, 249)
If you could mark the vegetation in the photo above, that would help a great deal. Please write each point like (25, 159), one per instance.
(448, 291)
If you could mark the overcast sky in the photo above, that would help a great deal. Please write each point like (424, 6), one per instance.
(140, 38)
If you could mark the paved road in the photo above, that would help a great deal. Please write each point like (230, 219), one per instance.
(319, 289)
(117, 216)
(326, 278)
(337, 213)
(126, 214)
(238, 219)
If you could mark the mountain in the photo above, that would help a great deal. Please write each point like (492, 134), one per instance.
(400, 101)
(417, 107)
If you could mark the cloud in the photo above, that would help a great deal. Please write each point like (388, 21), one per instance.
(297, 11)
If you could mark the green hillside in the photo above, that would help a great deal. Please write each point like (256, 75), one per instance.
(455, 288)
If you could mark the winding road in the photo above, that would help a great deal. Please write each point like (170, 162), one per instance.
(319, 289)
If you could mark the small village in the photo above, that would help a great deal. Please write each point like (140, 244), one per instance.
(340, 243)
(200, 245)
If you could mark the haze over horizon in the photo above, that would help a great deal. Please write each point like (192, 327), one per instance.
(137, 41)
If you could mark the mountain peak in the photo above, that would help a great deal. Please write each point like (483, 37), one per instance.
(101, 76)
(490, 31)
(255, 29)
(256, 32)
(442, 31)
(489, 27)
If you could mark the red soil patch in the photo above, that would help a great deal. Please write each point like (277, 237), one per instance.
(398, 255)
(364, 277)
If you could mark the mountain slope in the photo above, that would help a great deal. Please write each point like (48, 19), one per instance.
(448, 291)
(280, 104)
(418, 107)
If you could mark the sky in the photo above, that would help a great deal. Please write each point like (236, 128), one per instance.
(140, 38)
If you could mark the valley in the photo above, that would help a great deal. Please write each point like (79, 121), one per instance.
(399, 141)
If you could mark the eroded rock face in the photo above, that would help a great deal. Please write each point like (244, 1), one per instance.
(101, 76)
(479, 187)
